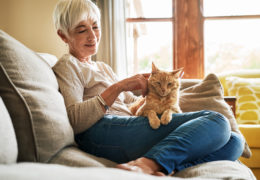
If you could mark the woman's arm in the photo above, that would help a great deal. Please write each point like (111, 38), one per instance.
(82, 114)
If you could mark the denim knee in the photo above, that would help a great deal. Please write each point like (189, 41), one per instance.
(238, 146)
(218, 118)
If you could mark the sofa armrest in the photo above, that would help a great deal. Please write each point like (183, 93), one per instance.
(231, 100)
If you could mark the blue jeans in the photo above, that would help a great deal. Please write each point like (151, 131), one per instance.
(189, 139)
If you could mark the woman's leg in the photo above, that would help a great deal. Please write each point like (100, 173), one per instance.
(189, 136)
(190, 141)
(231, 151)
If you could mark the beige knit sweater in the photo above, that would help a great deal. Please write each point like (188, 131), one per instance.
(80, 83)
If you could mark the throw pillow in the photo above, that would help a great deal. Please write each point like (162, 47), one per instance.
(247, 92)
(49, 58)
(30, 91)
(8, 150)
(208, 95)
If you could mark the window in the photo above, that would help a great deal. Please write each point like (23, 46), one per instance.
(231, 35)
(167, 32)
(149, 34)
(203, 36)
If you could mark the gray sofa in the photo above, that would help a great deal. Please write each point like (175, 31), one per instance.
(37, 141)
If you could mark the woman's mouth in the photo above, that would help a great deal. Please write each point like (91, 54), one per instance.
(90, 45)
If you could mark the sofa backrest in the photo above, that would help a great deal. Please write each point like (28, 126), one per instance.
(29, 89)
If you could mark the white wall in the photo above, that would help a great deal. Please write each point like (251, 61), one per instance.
(30, 22)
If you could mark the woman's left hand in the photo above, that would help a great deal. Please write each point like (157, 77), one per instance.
(136, 82)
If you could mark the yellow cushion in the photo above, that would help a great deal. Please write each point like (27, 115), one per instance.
(252, 73)
(254, 161)
(251, 134)
(247, 92)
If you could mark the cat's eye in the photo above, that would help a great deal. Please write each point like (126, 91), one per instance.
(169, 84)
(158, 83)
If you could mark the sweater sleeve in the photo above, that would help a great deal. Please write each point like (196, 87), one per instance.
(82, 114)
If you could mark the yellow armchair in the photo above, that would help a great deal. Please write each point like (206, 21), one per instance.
(245, 85)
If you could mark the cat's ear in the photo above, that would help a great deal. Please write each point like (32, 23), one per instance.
(154, 68)
(178, 72)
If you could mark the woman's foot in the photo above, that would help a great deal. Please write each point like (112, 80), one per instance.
(143, 165)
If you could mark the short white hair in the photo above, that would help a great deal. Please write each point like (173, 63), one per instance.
(68, 13)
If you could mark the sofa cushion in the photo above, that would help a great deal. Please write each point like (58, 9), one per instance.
(30, 92)
(73, 156)
(208, 95)
(252, 134)
(49, 58)
(205, 171)
(8, 150)
(253, 162)
(247, 92)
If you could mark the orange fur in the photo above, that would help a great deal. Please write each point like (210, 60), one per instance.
(135, 106)
(162, 97)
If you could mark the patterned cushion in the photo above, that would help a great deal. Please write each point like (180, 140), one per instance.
(247, 92)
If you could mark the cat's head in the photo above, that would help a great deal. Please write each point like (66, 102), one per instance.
(163, 82)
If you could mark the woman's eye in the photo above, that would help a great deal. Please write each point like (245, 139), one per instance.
(82, 31)
(95, 27)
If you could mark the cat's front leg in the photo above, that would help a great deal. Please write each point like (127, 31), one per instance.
(153, 119)
(166, 117)
(176, 109)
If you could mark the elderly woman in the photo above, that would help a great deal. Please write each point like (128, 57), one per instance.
(97, 101)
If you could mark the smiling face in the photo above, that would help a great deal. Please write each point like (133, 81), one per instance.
(83, 39)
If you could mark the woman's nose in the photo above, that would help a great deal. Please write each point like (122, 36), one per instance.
(91, 35)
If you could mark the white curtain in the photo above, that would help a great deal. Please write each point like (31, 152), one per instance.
(112, 48)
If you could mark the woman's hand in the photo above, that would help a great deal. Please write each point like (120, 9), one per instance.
(146, 75)
(136, 82)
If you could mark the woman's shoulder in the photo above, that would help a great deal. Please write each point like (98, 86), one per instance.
(67, 67)
(66, 61)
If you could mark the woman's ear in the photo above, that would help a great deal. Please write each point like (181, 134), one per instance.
(62, 36)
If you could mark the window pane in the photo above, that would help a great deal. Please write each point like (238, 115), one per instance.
(231, 7)
(231, 45)
(147, 42)
(149, 8)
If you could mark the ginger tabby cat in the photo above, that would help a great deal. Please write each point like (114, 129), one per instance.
(162, 97)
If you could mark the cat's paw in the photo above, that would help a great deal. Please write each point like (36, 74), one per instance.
(155, 123)
(166, 117)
